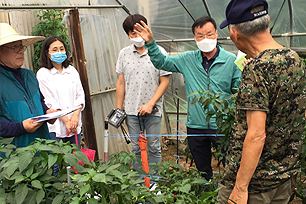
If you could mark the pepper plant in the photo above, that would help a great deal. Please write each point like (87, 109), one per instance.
(224, 111)
(115, 182)
(178, 185)
(27, 176)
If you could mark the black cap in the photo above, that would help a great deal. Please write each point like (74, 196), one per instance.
(239, 11)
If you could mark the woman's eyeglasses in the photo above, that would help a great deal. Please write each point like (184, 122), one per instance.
(16, 48)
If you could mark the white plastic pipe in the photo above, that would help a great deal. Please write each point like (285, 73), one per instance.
(105, 141)
(68, 174)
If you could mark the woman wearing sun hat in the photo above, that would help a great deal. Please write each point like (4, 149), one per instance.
(20, 98)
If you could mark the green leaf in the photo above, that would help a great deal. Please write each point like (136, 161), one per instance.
(46, 185)
(194, 100)
(76, 176)
(30, 171)
(11, 161)
(84, 189)
(34, 176)
(151, 200)
(116, 173)
(2, 161)
(92, 201)
(35, 161)
(7, 141)
(46, 176)
(123, 186)
(74, 200)
(51, 148)
(12, 168)
(40, 196)
(58, 199)
(178, 166)
(3, 195)
(36, 184)
(218, 95)
(52, 159)
(112, 167)
(81, 156)
(84, 178)
(192, 94)
(209, 115)
(217, 106)
(134, 193)
(71, 160)
(185, 189)
(206, 103)
(92, 173)
(199, 181)
(102, 167)
(31, 197)
(99, 178)
(141, 171)
(58, 186)
(44, 163)
(24, 160)
(203, 99)
(200, 91)
(19, 178)
(21, 193)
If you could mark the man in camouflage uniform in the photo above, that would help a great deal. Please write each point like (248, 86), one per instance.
(265, 150)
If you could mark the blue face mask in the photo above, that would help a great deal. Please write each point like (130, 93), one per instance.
(58, 57)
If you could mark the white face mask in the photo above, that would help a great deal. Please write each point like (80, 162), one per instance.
(207, 45)
(138, 42)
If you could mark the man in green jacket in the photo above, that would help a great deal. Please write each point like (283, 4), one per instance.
(209, 68)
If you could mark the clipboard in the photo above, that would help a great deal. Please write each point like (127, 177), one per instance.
(54, 115)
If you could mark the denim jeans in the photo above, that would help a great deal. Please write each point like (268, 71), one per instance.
(151, 126)
(65, 139)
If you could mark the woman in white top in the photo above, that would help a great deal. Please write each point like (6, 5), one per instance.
(60, 84)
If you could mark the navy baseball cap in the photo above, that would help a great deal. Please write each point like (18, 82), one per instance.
(239, 11)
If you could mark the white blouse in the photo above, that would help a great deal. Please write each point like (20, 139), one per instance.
(61, 91)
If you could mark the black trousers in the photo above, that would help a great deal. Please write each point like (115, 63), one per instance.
(200, 148)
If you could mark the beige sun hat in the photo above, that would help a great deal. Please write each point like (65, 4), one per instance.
(8, 35)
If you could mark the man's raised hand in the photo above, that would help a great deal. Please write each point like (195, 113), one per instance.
(144, 31)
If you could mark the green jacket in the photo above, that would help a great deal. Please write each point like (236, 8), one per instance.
(16, 104)
(222, 77)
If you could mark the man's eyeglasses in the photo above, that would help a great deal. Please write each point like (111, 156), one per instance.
(16, 48)
(202, 37)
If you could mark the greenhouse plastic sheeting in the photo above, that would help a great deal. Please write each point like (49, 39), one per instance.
(103, 38)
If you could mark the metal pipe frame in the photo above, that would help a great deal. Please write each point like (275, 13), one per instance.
(206, 8)
(291, 34)
(228, 38)
(60, 7)
(124, 7)
(102, 92)
(291, 20)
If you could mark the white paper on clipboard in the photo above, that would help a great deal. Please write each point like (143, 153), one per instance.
(54, 115)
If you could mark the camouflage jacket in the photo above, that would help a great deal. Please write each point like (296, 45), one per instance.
(273, 82)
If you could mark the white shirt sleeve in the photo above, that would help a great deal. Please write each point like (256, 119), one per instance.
(119, 64)
(46, 89)
(80, 95)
